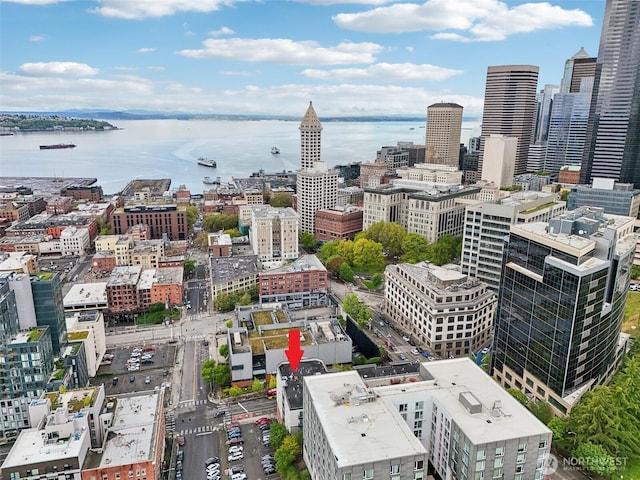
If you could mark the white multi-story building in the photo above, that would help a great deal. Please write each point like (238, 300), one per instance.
(274, 234)
(74, 241)
(88, 327)
(439, 307)
(487, 224)
(449, 414)
(316, 184)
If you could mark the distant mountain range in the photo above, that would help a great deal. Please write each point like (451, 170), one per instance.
(149, 115)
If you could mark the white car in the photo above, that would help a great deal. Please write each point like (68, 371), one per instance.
(235, 448)
(235, 456)
(133, 368)
(239, 476)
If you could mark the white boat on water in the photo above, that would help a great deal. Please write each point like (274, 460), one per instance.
(275, 150)
(205, 162)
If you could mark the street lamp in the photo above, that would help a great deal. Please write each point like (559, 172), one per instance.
(575, 436)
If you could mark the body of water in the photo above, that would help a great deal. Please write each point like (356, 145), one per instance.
(170, 149)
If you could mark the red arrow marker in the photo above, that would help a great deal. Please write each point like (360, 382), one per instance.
(294, 354)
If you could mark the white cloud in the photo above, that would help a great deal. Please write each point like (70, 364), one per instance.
(135, 9)
(285, 51)
(222, 31)
(385, 72)
(126, 69)
(482, 19)
(156, 68)
(35, 2)
(240, 73)
(146, 50)
(56, 69)
(343, 2)
(37, 38)
(20, 92)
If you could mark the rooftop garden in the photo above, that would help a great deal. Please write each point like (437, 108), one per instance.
(274, 340)
(44, 275)
(262, 318)
(58, 374)
(76, 336)
(539, 207)
(34, 334)
(75, 348)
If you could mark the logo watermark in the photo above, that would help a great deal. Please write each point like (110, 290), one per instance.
(552, 464)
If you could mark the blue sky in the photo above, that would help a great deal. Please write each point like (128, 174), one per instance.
(358, 57)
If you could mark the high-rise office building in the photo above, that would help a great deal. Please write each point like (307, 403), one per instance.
(561, 304)
(49, 306)
(316, 184)
(612, 147)
(510, 108)
(499, 160)
(545, 102)
(568, 128)
(444, 124)
(580, 66)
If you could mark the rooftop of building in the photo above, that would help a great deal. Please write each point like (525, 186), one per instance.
(425, 190)
(219, 238)
(304, 263)
(169, 276)
(27, 336)
(146, 280)
(86, 293)
(292, 381)
(15, 261)
(267, 211)
(78, 321)
(143, 247)
(351, 414)
(226, 269)
(38, 238)
(131, 437)
(47, 185)
(104, 254)
(124, 275)
(33, 447)
(441, 279)
(500, 416)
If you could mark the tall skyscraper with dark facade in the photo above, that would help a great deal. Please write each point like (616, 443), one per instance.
(48, 302)
(510, 106)
(612, 148)
(561, 304)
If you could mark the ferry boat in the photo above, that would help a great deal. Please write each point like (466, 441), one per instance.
(205, 162)
(275, 150)
(57, 146)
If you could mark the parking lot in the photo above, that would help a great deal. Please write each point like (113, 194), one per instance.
(159, 371)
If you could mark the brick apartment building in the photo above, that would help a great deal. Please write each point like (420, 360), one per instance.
(338, 223)
(170, 219)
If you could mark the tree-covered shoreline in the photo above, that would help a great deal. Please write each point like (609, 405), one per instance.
(38, 123)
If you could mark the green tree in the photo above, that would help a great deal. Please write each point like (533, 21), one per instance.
(542, 410)
(389, 234)
(207, 371)
(366, 256)
(214, 222)
(594, 458)
(235, 391)
(229, 324)
(364, 316)
(334, 264)
(635, 272)
(518, 395)
(189, 266)
(202, 239)
(346, 273)
(224, 302)
(273, 381)
(245, 299)
(257, 386)
(307, 240)
(281, 199)
(351, 304)
(222, 374)
(376, 280)
(192, 215)
(415, 248)
(344, 249)
(327, 251)
(277, 433)
(224, 350)
(558, 427)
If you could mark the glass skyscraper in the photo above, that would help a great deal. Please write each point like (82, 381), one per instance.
(612, 149)
(49, 306)
(561, 304)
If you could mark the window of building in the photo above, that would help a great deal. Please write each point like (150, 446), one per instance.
(395, 469)
(346, 476)
(521, 458)
(522, 447)
(418, 465)
(367, 474)
(481, 455)
(499, 451)
(519, 469)
(403, 407)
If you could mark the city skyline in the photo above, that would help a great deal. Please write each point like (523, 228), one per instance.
(365, 57)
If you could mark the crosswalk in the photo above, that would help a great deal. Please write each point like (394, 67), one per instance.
(196, 430)
(191, 403)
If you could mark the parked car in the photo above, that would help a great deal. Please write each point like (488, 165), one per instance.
(262, 420)
(220, 413)
(132, 378)
(181, 441)
(180, 455)
(235, 441)
(237, 469)
(236, 448)
(211, 461)
(147, 379)
(239, 476)
(235, 456)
